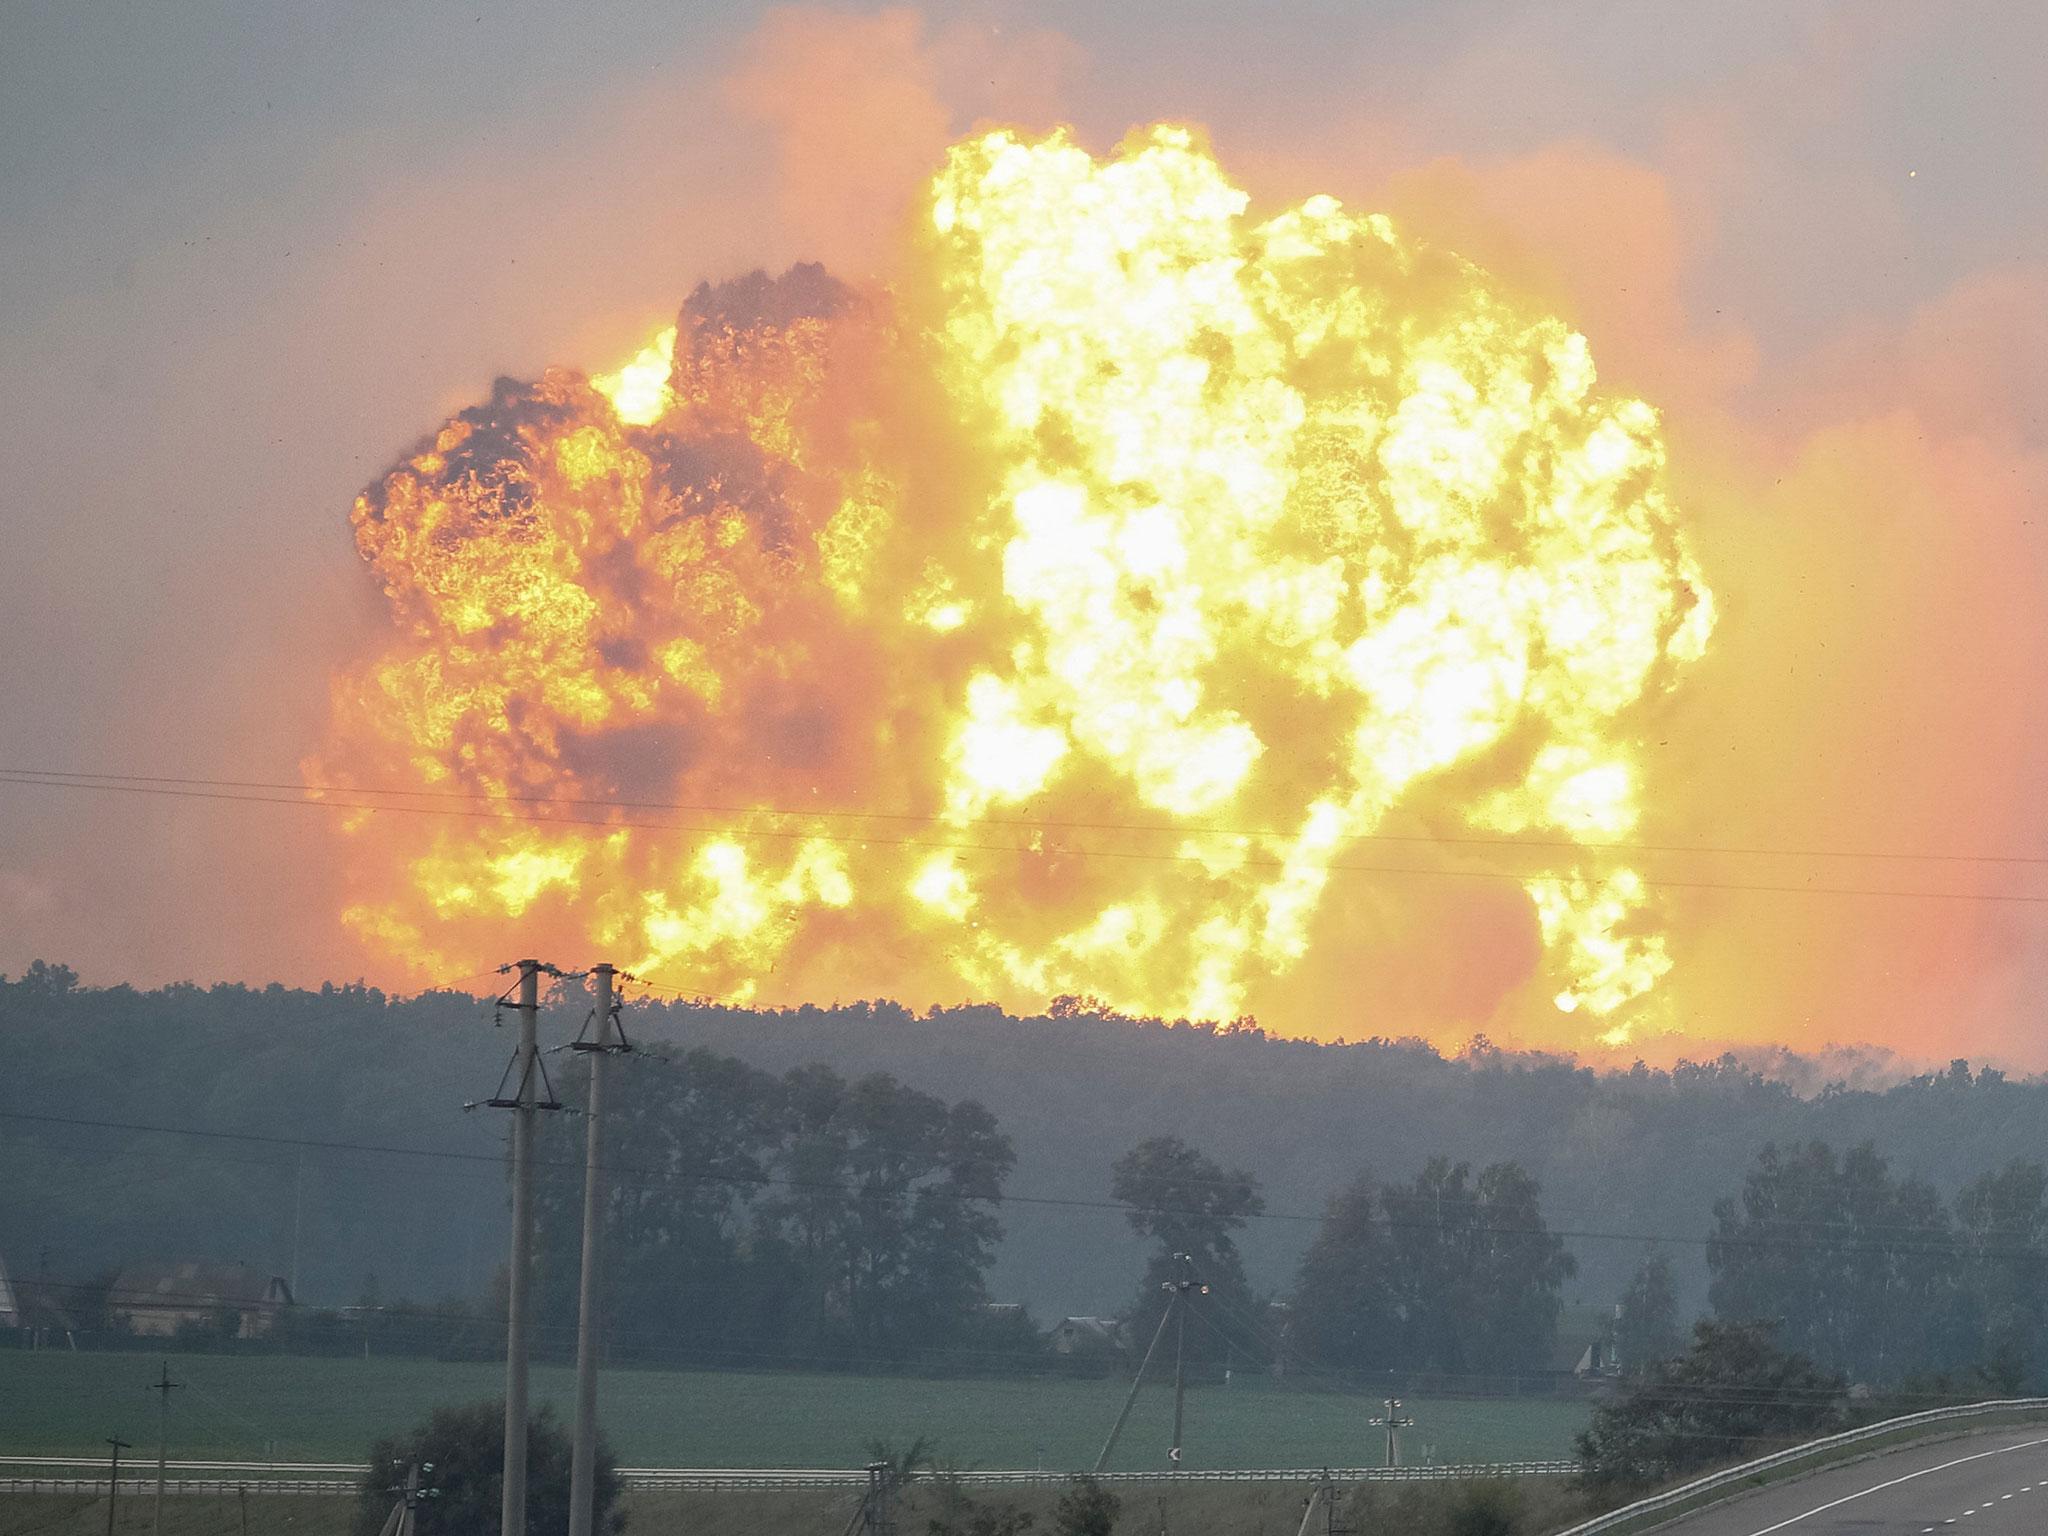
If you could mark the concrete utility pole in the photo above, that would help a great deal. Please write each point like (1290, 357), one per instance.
(114, 1480)
(524, 1103)
(404, 1517)
(163, 1386)
(1324, 1497)
(1395, 1424)
(1187, 1285)
(1117, 1429)
(1178, 1291)
(589, 1328)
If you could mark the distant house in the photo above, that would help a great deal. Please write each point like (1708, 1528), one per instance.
(1595, 1360)
(35, 1313)
(1085, 1336)
(158, 1299)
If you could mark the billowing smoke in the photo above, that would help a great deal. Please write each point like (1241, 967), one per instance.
(1142, 599)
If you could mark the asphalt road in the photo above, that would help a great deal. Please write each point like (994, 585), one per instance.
(1993, 1484)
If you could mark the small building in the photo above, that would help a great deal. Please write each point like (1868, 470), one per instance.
(157, 1299)
(34, 1312)
(1088, 1336)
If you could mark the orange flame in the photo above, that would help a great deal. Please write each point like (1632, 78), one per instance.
(1065, 622)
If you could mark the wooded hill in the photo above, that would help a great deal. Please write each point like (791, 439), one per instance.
(1622, 1157)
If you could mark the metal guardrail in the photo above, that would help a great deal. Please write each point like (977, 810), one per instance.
(286, 1469)
(1728, 1477)
(832, 1477)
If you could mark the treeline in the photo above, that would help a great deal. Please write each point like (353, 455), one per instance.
(337, 1148)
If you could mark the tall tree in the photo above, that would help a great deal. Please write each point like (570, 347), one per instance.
(1646, 1329)
(1343, 1293)
(1187, 1203)
(1474, 1272)
(886, 1217)
(2002, 1224)
(1857, 1269)
(693, 1143)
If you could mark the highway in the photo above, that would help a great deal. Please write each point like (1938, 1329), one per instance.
(1992, 1484)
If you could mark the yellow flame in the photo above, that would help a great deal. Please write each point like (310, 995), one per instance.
(639, 391)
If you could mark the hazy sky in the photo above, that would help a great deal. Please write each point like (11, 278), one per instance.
(249, 252)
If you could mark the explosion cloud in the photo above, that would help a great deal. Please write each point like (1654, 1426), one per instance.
(1072, 617)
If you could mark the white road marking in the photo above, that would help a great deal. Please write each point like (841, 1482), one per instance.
(2025, 1445)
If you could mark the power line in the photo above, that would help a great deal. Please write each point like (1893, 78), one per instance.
(641, 1177)
(1026, 824)
(778, 834)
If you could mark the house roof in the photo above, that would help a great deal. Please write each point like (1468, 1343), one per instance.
(32, 1304)
(1104, 1327)
(196, 1283)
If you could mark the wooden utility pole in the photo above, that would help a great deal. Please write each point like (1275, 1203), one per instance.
(609, 1040)
(114, 1480)
(163, 1386)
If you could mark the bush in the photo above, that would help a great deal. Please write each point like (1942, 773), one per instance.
(1086, 1509)
(1484, 1509)
(1733, 1395)
(466, 1447)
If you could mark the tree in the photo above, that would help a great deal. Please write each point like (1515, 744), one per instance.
(1858, 1270)
(1646, 1331)
(466, 1448)
(884, 1222)
(1086, 1508)
(1733, 1395)
(2002, 1224)
(1343, 1292)
(694, 1142)
(1474, 1274)
(1188, 1204)
(843, 1218)
(43, 979)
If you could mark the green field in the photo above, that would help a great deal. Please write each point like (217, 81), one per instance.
(249, 1407)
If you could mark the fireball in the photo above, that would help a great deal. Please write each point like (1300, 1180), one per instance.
(1069, 618)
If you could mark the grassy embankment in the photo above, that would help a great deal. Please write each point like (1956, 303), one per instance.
(1270, 1509)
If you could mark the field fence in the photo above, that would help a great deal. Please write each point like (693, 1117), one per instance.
(132, 1486)
(340, 1478)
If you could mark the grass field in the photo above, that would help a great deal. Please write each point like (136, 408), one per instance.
(319, 1410)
